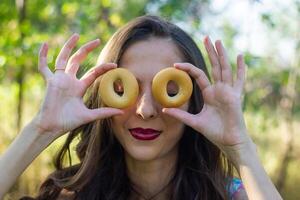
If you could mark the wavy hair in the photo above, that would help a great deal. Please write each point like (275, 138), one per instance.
(202, 170)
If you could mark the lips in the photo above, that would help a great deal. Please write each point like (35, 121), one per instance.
(144, 134)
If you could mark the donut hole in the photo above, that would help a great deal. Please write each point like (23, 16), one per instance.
(118, 87)
(172, 88)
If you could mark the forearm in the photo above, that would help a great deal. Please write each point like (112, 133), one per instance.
(257, 183)
(24, 149)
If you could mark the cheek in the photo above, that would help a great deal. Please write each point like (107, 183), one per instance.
(174, 127)
(120, 121)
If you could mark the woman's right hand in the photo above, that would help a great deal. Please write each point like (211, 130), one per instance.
(63, 108)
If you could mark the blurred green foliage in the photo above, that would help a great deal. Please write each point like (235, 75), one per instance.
(271, 100)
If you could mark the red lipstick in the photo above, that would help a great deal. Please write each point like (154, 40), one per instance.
(144, 134)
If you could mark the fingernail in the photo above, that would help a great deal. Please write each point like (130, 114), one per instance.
(164, 109)
(113, 64)
(44, 44)
(222, 45)
(121, 113)
(43, 48)
(75, 36)
(208, 39)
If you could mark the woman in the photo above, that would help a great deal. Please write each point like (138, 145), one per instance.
(197, 145)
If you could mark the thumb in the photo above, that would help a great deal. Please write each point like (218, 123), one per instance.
(181, 115)
(101, 113)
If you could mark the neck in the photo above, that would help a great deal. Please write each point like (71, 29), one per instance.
(150, 177)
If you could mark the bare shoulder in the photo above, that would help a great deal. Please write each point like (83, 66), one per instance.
(66, 195)
(240, 195)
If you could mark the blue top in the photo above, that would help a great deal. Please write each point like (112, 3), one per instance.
(235, 186)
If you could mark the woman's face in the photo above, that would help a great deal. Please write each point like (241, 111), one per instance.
(145, 59)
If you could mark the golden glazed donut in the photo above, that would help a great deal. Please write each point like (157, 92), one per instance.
(130, 88)
(161, 80)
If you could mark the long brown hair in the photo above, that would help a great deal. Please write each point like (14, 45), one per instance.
(202, 172)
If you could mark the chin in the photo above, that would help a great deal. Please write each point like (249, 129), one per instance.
(142, 153)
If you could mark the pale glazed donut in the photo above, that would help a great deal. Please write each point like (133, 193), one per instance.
(160, 83)
(130, 85)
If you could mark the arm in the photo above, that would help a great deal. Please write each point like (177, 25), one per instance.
(255, 179)
(222, 122)
(62, 110)
(24, 149)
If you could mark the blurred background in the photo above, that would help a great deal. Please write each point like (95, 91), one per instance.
(266, 32)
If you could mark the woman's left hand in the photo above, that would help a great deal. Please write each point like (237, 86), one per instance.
(221, 119)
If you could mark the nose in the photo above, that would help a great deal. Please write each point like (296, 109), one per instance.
(146, 106)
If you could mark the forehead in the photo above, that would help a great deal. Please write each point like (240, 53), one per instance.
(145, 58)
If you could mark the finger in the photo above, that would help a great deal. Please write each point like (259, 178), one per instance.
(63, 56)
(80, 55)
(198, 74)
(101, 113)
(241, 73)
(95, 72)
(213, 57)
(42, 63)
(226, 73)
(181, 115)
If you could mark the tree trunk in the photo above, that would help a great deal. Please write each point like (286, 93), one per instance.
(21, 7)
(287, 105)
(287, 157)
